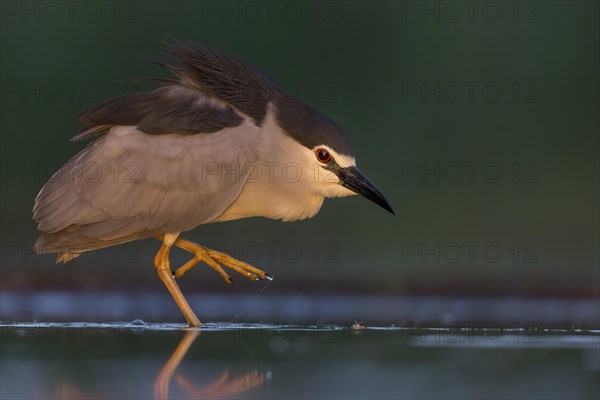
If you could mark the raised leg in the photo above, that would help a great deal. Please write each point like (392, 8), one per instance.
(214, 258)
(200, 254)
(163, 268)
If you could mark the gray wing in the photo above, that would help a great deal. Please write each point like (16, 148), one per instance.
(171, 159)
(129, 183)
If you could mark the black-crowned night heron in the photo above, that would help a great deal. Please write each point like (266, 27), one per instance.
(222, 142)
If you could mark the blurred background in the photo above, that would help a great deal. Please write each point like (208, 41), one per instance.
(479, 122)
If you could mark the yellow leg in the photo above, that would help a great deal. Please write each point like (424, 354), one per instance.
(218, 258)
(163, 268)
(213, 258)
(202, 255)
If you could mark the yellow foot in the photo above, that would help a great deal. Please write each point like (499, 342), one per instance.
(215, 259)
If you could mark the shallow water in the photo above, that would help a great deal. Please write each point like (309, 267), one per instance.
(224, 360)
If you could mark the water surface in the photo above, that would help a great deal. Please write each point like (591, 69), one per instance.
(225, 360)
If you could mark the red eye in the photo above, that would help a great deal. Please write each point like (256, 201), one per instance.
(323, 155)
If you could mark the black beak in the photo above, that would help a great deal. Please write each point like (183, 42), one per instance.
(354, 180)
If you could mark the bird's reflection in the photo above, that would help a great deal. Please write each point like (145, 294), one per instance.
(224, 386)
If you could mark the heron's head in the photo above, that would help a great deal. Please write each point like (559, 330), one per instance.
(324, 153)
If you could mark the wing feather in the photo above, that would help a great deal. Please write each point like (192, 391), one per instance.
(128, 184)
(169, 109)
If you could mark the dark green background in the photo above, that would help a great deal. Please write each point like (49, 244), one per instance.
(353, 61)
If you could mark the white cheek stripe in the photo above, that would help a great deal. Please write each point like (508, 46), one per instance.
(342, 160)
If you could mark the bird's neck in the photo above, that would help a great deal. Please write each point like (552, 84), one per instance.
(278, 187)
